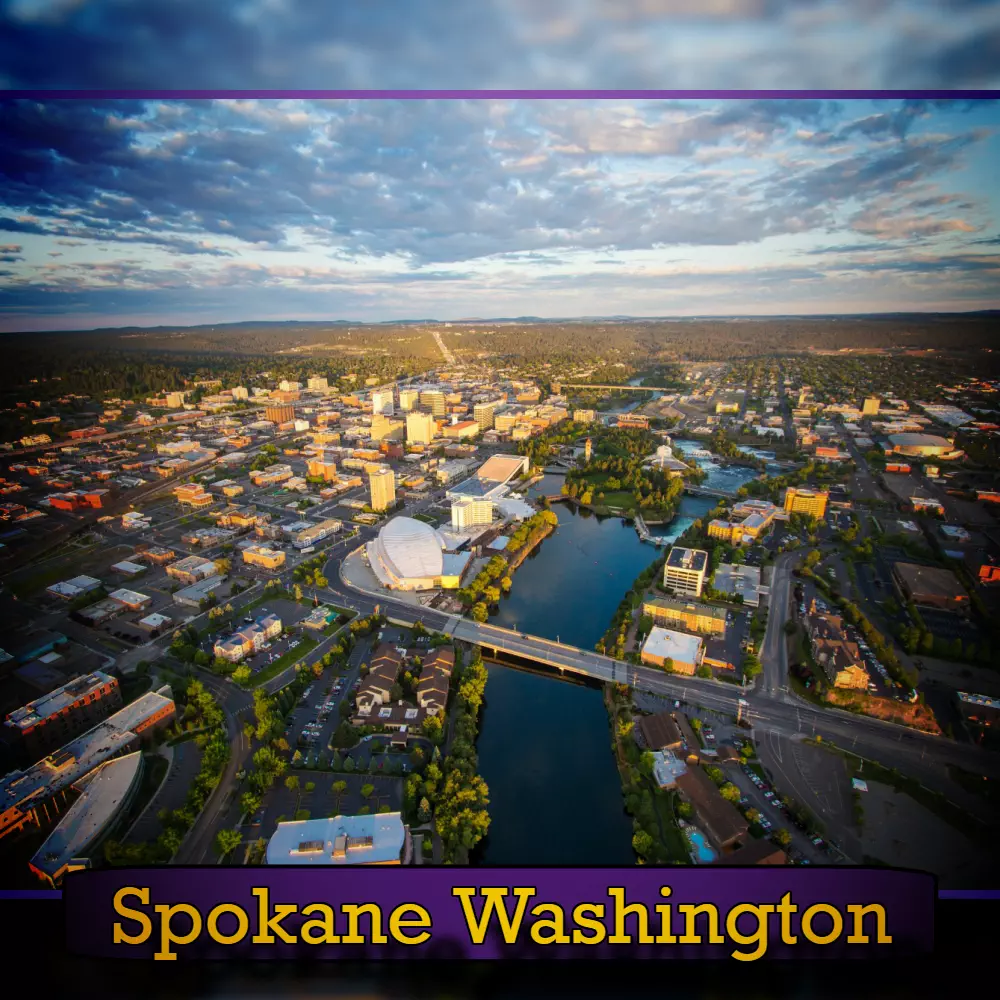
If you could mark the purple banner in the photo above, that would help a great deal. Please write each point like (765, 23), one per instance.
(354, 913)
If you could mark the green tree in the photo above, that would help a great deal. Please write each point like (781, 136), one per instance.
(730, 792)
(642, 843)
(480, 612)
(227, 841)
(782, 837)
(338, 788)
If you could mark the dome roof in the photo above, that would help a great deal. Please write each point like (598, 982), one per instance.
(412, 548)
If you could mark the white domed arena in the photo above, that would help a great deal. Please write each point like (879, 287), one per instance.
(408, 555)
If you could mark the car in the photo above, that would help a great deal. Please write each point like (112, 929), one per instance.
(258, 818)
(818, 842)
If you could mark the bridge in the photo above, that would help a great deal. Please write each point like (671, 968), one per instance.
(645, 536)
(622, 388)
(704, 491)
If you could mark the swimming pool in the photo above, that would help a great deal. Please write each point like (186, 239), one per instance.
(703, 853)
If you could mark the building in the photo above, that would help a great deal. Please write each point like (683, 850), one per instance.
(803, 501)
(661, 731)
(870, 407)
(461, 429)
(23, 794)
(989, 573)
(191, 569)
(281, 413)
(667, 769)
(74, 707)
(408, 399)
(131, 600)
(900, 467)
(264, 557)
(694, 617)
(410, 555)
(483, 414)
(685, 570)
(739, 580)
(382, 488)
(317, 383)
(193, 495)
(380, 839)
(196, 593)
(386, 429)
(272, 475)
(720, 820)
(471, 512)
(240, 392)
(322, 467)
(383, 402)
(930, 587)
(754, 852)
(435, 679)
(76, 587)
(249, 640)
(313, 533)
(420, 427)
(632, 420)
(979, 708)
(433, 401)
(584, 416)
(685, 652)
(837, 656)
(922, 446)
(748, 521)
(105, 795)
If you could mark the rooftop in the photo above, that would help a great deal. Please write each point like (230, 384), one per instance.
(55, 701)
(689, 559)
(339, 840)
(665, 642)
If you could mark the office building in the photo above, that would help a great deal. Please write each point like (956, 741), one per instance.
(408, 399)
(747, 521)
(313, 533)
(433, 401)
(318, 383)
(281, 413)
(739, 580)
(685, 570)
(191, 569)
(420, 427)
(379, 839)
(193, 495)
(272, 475)
(929, 586)
(240, 392)
(56, 717)
(383, 402)
(632, 421)
(382, 486)
(870, 407)
(694, 617)
(677, 651)
(802, 501)
(470, 512)
(584, 416)
(461, 429)
(483, 414)
(264, 557)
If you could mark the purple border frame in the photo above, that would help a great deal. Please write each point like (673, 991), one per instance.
(421, 95)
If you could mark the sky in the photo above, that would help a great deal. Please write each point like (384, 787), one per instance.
(166, 212)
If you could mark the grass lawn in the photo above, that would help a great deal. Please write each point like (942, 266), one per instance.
(426, 518)
(39, 581)
(272, 670)
(673, 840)
(618, 499)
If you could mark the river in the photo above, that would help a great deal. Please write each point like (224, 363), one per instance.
(544, 744)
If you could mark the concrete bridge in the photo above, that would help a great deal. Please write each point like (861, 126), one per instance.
(703, 491)
(622, 388)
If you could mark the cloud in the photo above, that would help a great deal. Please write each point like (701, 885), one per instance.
(693, 44)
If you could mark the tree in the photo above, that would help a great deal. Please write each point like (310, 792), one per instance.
(424, 811)
(790, 627)
(242, 674)
(227, 841)
(704, 671)
(685, 810)
(782, 837)
(480, 612)
(730, 792)
(367, 790)
(433, 728)
(642, 843)
(338, 788)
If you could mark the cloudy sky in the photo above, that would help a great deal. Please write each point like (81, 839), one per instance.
(119, 212)
(675, 44)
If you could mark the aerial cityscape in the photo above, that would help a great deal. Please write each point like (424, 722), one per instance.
(463, 484)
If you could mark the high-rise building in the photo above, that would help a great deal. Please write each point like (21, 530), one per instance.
(382, 485)
(584, 416)
(280, 414)
(800, 501)
(470, 512)
(871, 407)
(685, 571)
(318, 383)
(420, 427)
(385, 428)
(241, 392)
(323, 466)
(285, 386)
(383, 402)
(482, 413)
(433, 401)
(408, 399)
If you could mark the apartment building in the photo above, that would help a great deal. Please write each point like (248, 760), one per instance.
(420, 427)
(382, 486)
(279, 413)
(838, 657)
(249, 640)
(264, 557)
(469, 512)
(694, 617)
(433, 401)
(483, 414)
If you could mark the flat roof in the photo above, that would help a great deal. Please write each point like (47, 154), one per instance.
(128, 567)
(501, 468)
(979, 699)
(667, 768)
(930, 581)
(103, 793)
(338, 840)
(680, 646)
(675, 604)
(689, 559)
(129, 596)
(55, 701)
